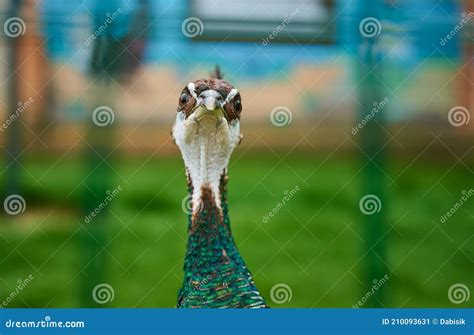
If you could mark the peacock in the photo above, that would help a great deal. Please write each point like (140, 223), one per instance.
(206, 130)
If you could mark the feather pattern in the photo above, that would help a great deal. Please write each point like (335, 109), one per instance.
(216, 276)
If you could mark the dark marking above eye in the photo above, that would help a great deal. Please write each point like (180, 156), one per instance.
(201, 88)
(223, 91)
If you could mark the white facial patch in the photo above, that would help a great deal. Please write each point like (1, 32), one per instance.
(192, 90)
(231, 95)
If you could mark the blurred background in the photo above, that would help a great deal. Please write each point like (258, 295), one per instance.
(352, 186)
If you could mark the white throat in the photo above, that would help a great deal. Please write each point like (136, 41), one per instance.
(206, 146)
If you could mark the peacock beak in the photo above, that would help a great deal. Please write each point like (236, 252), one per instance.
(211, 99)
(209, 103)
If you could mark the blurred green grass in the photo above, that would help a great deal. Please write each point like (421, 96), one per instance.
(314, 244)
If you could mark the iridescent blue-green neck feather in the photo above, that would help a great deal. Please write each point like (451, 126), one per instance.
(215, 275)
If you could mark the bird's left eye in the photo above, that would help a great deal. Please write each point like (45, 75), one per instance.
(237, 106)
(184, 98)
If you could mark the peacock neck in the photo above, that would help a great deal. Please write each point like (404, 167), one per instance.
(209, 232)
(215, 275)
(208, 199)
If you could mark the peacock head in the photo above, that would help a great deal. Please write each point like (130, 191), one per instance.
(208, 102)
(206, 130)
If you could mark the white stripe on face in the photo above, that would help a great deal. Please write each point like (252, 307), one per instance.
(231, 95)
(192, 90)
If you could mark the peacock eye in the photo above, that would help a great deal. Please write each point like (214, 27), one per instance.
(238, 106)
(184, 98)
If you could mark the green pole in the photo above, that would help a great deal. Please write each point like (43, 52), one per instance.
(13, 132)
(373, 202)
(98, 183)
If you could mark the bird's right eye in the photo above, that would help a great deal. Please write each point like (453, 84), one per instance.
(184, 98)
(238, 106)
